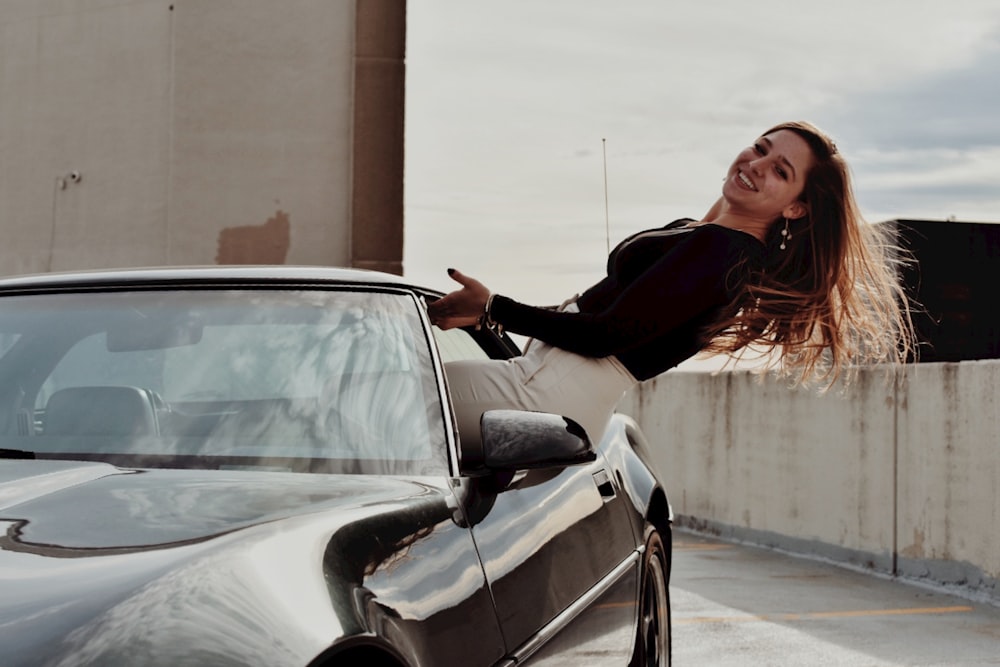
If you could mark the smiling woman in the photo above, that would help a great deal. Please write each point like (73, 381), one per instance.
(782, 263)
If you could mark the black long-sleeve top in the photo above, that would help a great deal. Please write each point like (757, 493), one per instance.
(663, 288)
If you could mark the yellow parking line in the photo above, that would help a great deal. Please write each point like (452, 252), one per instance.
(914, 611)
(888, 612)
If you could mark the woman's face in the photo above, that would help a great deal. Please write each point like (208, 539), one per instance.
(767, 178)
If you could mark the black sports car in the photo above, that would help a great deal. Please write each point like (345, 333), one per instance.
(259, 466)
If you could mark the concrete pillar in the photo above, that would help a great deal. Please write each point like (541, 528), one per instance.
(379, 92)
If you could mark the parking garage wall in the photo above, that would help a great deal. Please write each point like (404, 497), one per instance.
(899, 477)
(165, 132)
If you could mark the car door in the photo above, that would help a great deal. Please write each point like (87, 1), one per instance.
(546, 536)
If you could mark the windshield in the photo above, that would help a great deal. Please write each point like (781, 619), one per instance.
(316, 381)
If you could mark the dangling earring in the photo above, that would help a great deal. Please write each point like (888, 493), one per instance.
(785, 235)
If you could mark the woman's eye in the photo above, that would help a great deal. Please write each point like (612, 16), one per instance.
(781, 173)
(757, 148)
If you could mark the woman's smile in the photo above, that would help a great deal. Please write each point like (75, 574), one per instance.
(745, 181)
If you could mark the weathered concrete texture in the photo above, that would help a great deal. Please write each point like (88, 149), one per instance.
(761, 456)
(901, 479)
(734, 605)
(255, 244)
(84, 87)
(261, 115)
(192, 124)
(949, 468)
(879, 562)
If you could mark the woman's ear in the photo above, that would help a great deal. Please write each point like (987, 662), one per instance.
(795, 210)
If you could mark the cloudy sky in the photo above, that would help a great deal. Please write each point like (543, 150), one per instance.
(512, 106)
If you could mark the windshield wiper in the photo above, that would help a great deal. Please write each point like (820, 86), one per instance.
(16, 454)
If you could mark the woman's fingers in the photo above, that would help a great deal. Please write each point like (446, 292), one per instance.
(456, 304)
(465, 304)
(467, 281)
(453, 310)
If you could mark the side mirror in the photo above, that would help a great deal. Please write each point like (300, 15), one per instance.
(517, 440)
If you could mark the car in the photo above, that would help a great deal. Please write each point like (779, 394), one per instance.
(260, 466)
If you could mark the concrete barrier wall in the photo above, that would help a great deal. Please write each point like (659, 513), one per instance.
(948, 499)
(899, 478)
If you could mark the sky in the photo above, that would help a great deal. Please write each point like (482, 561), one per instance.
(516, 110)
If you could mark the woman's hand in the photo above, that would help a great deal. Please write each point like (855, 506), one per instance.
(461, 308)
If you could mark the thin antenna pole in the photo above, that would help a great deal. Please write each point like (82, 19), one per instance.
(607, 222)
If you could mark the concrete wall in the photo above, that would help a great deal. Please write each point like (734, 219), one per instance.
(902, 479)
(203, 132)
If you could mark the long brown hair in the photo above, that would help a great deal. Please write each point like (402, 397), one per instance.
(831, 300)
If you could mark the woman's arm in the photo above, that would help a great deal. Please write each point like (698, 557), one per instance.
(686, 282)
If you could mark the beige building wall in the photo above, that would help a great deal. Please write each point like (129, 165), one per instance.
(201, 132)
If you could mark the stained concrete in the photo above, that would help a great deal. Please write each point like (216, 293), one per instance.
(899, 477)
(736, 605)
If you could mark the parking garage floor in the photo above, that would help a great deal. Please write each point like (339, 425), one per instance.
(738, 605)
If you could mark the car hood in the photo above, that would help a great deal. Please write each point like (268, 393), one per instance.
(66, 508)
(93, 556)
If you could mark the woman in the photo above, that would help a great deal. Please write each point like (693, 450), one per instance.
(782, 264)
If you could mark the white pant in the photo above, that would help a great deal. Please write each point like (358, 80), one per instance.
(543, 379)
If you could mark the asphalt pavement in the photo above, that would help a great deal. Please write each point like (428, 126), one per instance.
(736, 605)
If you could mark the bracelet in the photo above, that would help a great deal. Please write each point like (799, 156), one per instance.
(487, 321)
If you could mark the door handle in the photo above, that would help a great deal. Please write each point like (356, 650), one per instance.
(603, 481)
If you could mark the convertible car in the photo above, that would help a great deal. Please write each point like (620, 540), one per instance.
(260, 466)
